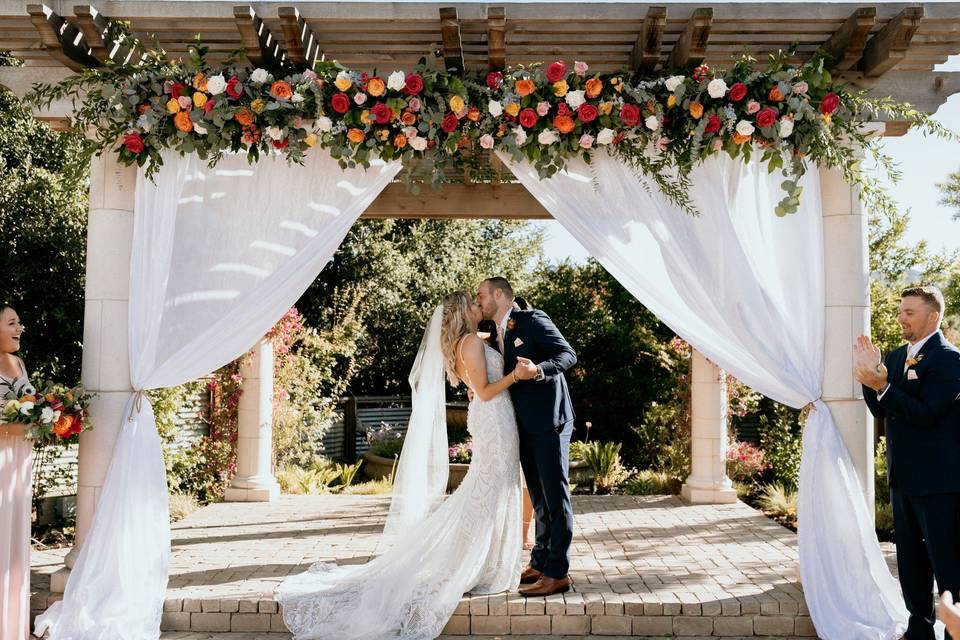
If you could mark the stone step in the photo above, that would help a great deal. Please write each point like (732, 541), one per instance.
(199, 635)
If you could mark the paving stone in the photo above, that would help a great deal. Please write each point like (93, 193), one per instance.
(610, 625)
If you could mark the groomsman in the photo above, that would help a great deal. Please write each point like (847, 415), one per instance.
(915, 390)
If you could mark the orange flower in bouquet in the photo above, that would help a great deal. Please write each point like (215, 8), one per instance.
(54, 416)
(281, 90)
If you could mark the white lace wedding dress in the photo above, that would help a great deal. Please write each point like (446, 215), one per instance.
(471, 542)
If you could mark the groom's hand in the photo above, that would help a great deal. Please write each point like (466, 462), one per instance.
(525, 369)
(867, 367)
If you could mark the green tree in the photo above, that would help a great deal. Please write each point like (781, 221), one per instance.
(43, 214)
(950, 193)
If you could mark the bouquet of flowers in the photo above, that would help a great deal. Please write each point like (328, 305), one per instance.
(55, 415)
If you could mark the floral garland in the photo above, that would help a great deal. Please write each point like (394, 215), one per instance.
(430, 119)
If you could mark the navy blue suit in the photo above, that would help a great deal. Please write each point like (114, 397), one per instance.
(545, 419)
(921, 413)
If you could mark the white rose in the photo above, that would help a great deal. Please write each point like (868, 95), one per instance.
(296, 98)
(520, 135)
(744, 128)
(575, 99)
(652, 122)
(495, 108)
(275, 132)
(259, 76)
(216, 85)
(324, 123)
(547, 136)
(417, 144)
(397, 80)
(673, 82)
(717, 88)
(46, 416)
(200, 129)
(56, 415)
(26, 408)
(786, 127)
(605, 136)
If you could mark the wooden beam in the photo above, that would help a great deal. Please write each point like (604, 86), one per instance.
(889, 46)
(691, 47)
(261, 48)
(845, 47)
(925, 91)
(508, 201)
(93, 25)
(496, 38)
(303, 48)
(646, 50)
(59, 38)
(452, 45)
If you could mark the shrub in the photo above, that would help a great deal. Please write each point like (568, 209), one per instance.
(385, 441)
(782, 446)
(604, 460)
(182, 505)
(652, 483)
(780, 503)
(745, 462)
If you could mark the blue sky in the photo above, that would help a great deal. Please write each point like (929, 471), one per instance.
(923, 161)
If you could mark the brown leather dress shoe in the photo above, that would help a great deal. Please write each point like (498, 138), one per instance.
(547, 586)
(530, 575)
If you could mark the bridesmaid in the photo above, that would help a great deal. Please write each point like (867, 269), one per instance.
(15, 497)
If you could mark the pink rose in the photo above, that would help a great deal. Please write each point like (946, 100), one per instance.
(662, 144)
(586, 141)
(801, 88)
(414, 104)
(580, 67)
(185, 102)
(486, 141)
(359, 98)
(543, 108)
(753, 106)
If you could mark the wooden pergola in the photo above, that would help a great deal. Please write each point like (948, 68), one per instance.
(889, 49)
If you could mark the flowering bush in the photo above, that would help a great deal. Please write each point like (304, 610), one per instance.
(385, 441)
(55, 415)
(662, 126)
(461, 452)
(745, 462)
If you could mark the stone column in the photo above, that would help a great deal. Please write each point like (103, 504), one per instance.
(708, 482)
(106, 365)
(847, 303)
(254, 481)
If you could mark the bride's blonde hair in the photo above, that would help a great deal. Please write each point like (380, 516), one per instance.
(454, 326)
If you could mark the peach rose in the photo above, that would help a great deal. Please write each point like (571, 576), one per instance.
(594, 87)
(182, 121)
(525, 87)
(375, 87)
(244, 116)
(355, 136)
(281, 90)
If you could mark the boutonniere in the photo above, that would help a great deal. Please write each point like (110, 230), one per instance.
(511, 324)
(912, 362)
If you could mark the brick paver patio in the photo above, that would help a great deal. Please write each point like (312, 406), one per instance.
(642, 566)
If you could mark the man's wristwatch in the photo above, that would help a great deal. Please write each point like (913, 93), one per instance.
(540, 374)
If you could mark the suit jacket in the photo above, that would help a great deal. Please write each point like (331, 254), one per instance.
(922, 417)
(545, 404)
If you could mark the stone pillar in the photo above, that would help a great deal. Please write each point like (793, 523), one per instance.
(254, 481)
(708, 482)
(847, 301)
(106, 365)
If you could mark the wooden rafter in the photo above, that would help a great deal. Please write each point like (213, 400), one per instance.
(889, 46)
(845, 47)
(496, 38)
(303, 48)
(452, 45)
(262, 49)
(93, 25)
(691, 47)
(458, 201)
(61, 39)
(646, 50)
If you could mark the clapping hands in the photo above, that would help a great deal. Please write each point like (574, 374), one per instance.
(867, 366)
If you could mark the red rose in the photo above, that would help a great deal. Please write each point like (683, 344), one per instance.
(713, 123)
(234, 88)
(340, 102)
(738, 91)
(563, 109)
(381, 113)
(829, 103)
(176, 90)
(449, 123)
(414, 84)
(77, 425)
(133, 143)
(766, 117)
(557, 71)
(528, 118)
(587, 113)
(494, 78)
(281, 144)
(630, 115)
(209, 105)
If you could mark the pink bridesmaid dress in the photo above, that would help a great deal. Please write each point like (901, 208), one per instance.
(15, 498)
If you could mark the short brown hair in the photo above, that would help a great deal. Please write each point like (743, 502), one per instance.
(929, 294)
(502, 284)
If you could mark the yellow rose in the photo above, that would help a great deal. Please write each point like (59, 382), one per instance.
(560, 88)
(671, 101)
(343, 81)
(512, 108)
(375, 87)
(173, 106)
(383, 134)
(311, 140)
(11, 406)
(258, 105)
(696, 110)
(199, 99)
(606, 108)
(456, 104)
(617, 84)
(365, 117)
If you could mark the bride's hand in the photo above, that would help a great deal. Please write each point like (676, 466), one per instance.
(525, 369)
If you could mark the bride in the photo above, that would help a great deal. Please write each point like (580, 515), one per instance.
(436, 549)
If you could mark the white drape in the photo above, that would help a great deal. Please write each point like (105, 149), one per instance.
(218, 256)
(746, 289)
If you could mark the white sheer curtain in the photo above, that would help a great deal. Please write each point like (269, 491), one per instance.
(218, 256)
(746, 289)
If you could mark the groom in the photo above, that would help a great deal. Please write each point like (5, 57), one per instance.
(545, 419)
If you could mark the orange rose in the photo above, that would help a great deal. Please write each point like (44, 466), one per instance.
(474, 114)
(28, 399)
(594, 87)
(775, 95)
(182, 121)
(408, 118)
(400, 141)
(63, 426)
(739, 139)
(375, 87)
(49, 397)
(356, 136)
(696, 110)
(563, 124)
(525, 87)
(281, 90)
(200, 82)
(244, 116)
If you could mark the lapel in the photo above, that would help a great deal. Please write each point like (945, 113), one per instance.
(899, 358)
(923, 356)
